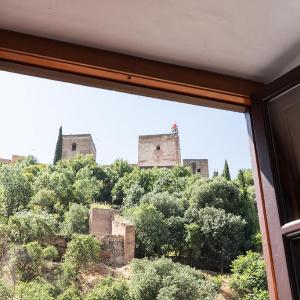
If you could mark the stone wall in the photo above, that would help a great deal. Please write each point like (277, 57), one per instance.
(120, 226)
(162, 150)
(112, 249)
(83, 144)
(198, 166)
(113, 232)
(101, 221)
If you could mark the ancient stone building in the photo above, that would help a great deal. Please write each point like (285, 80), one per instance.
(74, 144)
(160, 150)
(116, 236)
(13, 159)
(198, 166)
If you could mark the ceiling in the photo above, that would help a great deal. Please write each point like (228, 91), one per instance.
(254, 39)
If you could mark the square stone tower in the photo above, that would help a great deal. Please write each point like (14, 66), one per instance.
(161, 150)
(75, 144)
(198, 166)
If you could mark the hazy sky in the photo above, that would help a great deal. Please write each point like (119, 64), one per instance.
(32, 109)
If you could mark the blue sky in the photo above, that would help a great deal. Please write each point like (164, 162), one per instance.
(32, 109)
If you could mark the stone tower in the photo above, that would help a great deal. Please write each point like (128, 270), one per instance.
(198, 166)
(160, 150)
(75, 144)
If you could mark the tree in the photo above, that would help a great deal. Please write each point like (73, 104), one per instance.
(71, 293)
(109, 289)
(164, 280)
(27, 226)
(15, 190)
(215, 238)
(249, 276)
(82, 251)
(151, 230)
(75, 220)
(58, 148)
(215, 173)
(34, 290)
(226, 172)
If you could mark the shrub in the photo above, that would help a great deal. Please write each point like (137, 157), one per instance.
(44, 200)
(34, 290)
(215, 238)
(70, 293)
(82, 251)
(5, 293)
(28, 261)
(76, 220)
(50, 253)
(109, 289)
(151, 230)
(249, 276)
(28, 226)
(163, 280)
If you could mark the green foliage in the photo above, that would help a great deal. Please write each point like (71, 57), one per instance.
(164, 280)
(28, 261)
(71, 293)
(82, 251)
(249, 276)
(34, 290)
(109, 289)
(28, 226)
(58, 148)
(15, 190)
(215, 238)
(217, 192)
(50, 253)
(75, 220)
(5, 292)
(226, 172)
(44, 200)
(151, 230)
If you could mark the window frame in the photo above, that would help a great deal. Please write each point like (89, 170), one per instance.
(40, 57)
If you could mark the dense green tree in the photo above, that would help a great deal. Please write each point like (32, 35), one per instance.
(34, 290)
(5, 291)
(151, 229)
(58, 148)
(71, 293)
(75, 220)
(217, 192)
(27, 261)
(82, 251)
(226, 172)
(249, 277)
(164, 280)
(29, 226)
(215, 238)
(15, 190)
(109, 289)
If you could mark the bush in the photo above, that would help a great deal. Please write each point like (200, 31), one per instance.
(109, 289)
(215, 238)
(34, 290)
(82, 251)
(50, 253)
(5, 293)
(28, 226)
(249, 276)
(28, 261)
(164, 280)
(70, 293)
(151, 230)
(76, 220)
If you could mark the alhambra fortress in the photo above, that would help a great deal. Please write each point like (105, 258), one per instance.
(116, 234)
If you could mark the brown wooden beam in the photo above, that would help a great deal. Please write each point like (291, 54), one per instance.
(95, 63)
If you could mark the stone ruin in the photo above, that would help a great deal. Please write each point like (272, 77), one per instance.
(116, 236)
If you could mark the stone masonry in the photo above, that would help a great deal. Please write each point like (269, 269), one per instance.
(116, 235)
(161, 150)
(198, 166)
(75, 144)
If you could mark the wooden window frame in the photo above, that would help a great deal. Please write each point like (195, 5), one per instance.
(40, 57)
